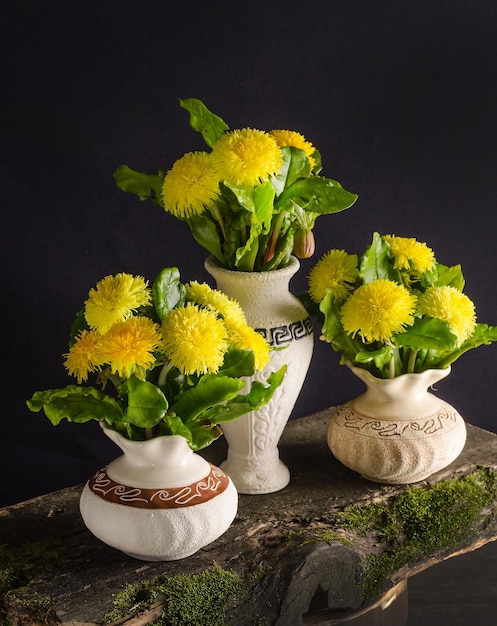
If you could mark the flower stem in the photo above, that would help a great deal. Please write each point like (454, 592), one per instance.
(271, 247)
(412, 361)
(391, 368)
(164, 372)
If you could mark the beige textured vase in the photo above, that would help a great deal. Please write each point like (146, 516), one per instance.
(253, 460)
(397, 432)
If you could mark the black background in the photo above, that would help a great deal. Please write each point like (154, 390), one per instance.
(399, 97)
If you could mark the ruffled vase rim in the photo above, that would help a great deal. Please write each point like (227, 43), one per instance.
(292, 266)
(365, 374)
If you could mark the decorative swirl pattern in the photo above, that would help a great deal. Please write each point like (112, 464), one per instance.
(444, 420)
(202, 491)
(283, 335)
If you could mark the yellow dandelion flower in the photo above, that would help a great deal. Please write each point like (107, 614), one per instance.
(191, 185)
(194, 339)
(205, 296)
(378, 310)
(410, 254)
(129, 346)
(335, 270)
(296, 140)
(82, 356)
(452, 306)
(245, 337)
(247, 156)
(114, 299)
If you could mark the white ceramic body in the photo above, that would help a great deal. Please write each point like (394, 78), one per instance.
(253, 458)
(397, 432)
(159, 501)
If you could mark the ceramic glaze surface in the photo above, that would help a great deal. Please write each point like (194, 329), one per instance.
(397, 432)
(186, 504)
(253, 458)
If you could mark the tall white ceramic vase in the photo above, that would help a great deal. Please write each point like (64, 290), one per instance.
(397, 431)
(253, 460)
(159, 501)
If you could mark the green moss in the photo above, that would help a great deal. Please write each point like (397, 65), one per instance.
(20, 568)
(188, 599)
(326, 534)
(420, 521)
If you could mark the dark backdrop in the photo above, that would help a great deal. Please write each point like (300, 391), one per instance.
(398, 96)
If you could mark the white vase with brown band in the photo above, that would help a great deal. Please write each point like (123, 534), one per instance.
(159, 501)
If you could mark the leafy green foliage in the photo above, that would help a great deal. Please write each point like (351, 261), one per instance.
(168, 292)
(250, 228)
(145, 186)
(427, 343)
(163, 401)
(76, 404)
(202, 120)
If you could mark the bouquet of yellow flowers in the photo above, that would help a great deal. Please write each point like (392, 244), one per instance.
(251, 200)
(395, 309)
(175, 356)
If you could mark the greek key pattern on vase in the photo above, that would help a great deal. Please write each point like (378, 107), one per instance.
(202, 491)
(283, 335)
(442, 421)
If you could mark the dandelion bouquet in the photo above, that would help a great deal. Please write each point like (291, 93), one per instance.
(251, 200)
(395, 309)
(173, 355)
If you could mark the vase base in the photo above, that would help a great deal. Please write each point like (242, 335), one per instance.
(255, 479)
(407, 480)
(157, 558)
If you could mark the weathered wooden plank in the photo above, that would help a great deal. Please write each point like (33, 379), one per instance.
(290, 551)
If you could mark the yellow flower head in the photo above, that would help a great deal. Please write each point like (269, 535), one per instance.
(410, 254)
(82, 357)
(245, 337)
(247, 156)
(129, 346)
(378, 310)
(335, 270)
(194, 339)
(114, 299)
(191, 185)
(296, 140)
(452, 306)
(205, 296)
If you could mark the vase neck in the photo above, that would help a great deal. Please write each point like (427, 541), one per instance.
(165, 461)
(241, 285)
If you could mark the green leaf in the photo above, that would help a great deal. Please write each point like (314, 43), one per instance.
(175, 426)
(204, 434)
(316, 194)
(381, 357)
(252, 214)
(202, 120)
(167, 290)
(333, 329)
(259, 394)
(295, 165)
(145, 186)
(427, 333)
(147, 405)
(76, 404)
(205, 233)
(376, 264)
(238, 362)
(450, 277)
(483, 335)
(211, 390)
